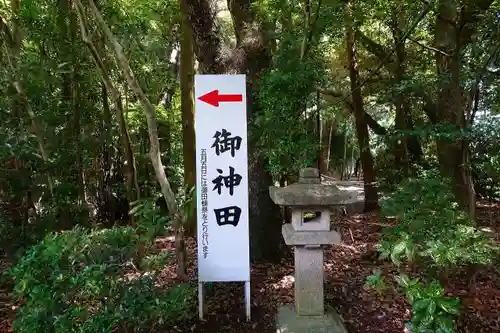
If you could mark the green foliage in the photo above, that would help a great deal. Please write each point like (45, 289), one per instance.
(156, 261)
(424, 207)
(388, 176)
(151, 221)
(186, 199)
(375, 281)
(433, 230)
(432, 312)
(86, 281)
(485, 157)
(430, 225)
(284, 133)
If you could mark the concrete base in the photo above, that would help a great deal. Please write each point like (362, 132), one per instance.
(287, 321)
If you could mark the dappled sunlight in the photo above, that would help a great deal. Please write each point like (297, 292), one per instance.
(285, 283)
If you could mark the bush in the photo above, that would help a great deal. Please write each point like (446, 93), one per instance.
(88, 281)
(431, 310)
(431, 227)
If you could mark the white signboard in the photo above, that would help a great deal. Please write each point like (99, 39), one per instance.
(222, 178)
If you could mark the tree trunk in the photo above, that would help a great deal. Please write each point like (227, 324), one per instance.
(401, 145)
(371, 193)
(12, 52)
(70, 97)
(326, 139)
(149, 112)
(187, 108)
(251, 56)
(344, 159)
(454, 31)
(106, 155)
(133, 190)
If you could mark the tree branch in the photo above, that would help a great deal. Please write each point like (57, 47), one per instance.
(470, 14)
(376, 49)
(148, 109)
(5, 28)
(474, 92)
(150, 113)
(370, 121)
(115, 96)
(430, 48)
(424, 12)
(11, 53)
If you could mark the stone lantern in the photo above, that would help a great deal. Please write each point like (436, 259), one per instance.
(311, 204)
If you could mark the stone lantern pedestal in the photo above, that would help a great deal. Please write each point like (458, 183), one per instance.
(311, 204)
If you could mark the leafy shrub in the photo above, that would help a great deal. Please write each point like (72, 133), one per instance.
(151, 221)
(387, 175)
(431, 227)
(430, 224)
(432, 312)
(87, 281)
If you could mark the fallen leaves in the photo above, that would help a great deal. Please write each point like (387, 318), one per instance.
(346, 267)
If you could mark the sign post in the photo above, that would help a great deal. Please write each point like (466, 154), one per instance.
(222, 182)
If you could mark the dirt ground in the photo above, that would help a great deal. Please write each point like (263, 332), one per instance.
(346, 267)
(345, 270)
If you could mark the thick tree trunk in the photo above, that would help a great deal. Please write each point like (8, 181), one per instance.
(251, 56)
(371, 193)
(453, 31)
(396, 66)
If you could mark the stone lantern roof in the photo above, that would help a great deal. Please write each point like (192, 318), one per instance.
(310, 192)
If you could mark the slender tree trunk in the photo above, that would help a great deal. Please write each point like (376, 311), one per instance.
(187, 108)
(344, 160)
(371, 193)
(106, 159)
(12, 52)
(149, 112)
(133, 190)
(70, 97)
(326, 138)
(401, 145)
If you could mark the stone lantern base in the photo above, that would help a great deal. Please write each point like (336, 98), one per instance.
(287, 321)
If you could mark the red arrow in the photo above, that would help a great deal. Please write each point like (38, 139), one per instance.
(214, 98)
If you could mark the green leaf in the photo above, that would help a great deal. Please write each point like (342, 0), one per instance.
(402, 280)
(421, 304)
(444, 325)
(427, 320)
(398, 249)
(409, 250)
(435, 290)
(431, 308)
(449, 305)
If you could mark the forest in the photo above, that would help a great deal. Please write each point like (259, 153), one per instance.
(98, 159)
